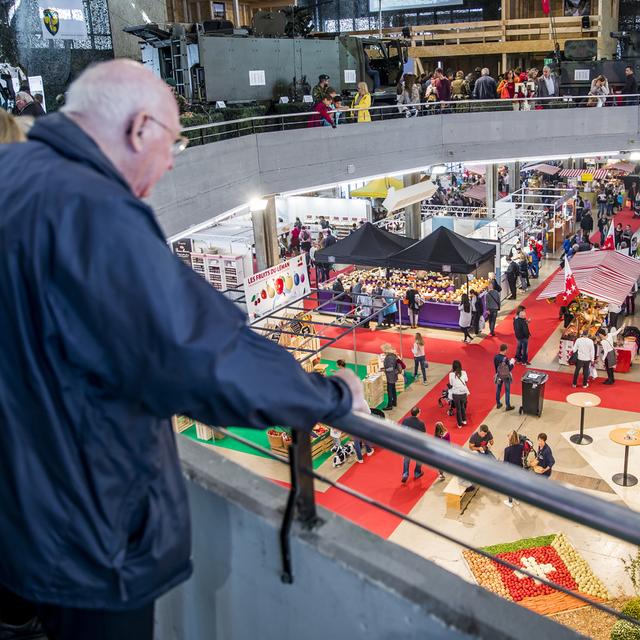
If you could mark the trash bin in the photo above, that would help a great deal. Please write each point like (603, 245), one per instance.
(533, 383)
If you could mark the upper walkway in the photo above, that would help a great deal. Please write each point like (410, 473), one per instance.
(210, 179)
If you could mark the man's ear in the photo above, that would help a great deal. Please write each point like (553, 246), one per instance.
(136, 131)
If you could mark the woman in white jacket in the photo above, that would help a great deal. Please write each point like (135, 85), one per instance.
(460, 391)
(600, 90)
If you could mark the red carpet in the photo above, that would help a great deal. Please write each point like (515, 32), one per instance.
(380, 474)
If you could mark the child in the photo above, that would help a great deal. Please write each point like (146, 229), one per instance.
(442, 433)
(419, 358)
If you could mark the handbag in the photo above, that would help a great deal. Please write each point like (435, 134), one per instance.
(573, 358)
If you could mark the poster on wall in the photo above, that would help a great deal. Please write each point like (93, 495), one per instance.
(577, 7)
(62, 19)
(272, 288)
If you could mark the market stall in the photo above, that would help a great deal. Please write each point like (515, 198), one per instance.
(603, 278)
(440, 267)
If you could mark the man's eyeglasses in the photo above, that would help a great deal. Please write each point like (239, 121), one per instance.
(179, 144)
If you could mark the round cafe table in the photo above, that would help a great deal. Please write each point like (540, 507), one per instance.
(620, 436)
(582, 400)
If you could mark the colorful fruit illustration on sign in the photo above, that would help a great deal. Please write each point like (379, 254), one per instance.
(270, 291)
(288, 283)
(279, 286)
(263, 294)
(296, 279)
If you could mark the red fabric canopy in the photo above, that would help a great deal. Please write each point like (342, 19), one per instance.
(604, 275)
(547, 169)
(477, 192)
(598, 174)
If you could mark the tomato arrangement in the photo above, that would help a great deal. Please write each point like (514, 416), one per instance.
(549, 564)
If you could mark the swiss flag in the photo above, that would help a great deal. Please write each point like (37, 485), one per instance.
(570, 287)
(610, 240)
(546, 7)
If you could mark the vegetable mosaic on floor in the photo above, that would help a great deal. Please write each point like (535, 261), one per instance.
(552, 557)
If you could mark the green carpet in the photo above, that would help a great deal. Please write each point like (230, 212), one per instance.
(259, 437)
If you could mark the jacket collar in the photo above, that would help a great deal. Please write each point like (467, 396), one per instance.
(64, 136)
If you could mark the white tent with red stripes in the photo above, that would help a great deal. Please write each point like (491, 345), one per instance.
(598, 174)
(608, 276)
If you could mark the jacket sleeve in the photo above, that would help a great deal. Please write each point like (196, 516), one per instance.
(132, 319)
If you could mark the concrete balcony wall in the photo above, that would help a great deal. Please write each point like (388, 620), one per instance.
(214, 178)
(348, 583)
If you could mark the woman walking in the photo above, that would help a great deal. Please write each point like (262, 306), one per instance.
(392, 369)
(459, 390)
(465, 317)
(442, 433)
(419, 357)
(513, 455)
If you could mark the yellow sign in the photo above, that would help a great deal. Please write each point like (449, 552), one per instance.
(587, 177)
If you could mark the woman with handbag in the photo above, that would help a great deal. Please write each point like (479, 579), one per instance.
(414, 302)
(460, 391)
(393, 367)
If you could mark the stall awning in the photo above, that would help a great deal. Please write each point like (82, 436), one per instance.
(368, 246)
(377, 188)
(623, 167)
(478, 169)
(445, 251)
(608, 276)
(400, 198)
(477, 192)
(547, 169)
(598, 174)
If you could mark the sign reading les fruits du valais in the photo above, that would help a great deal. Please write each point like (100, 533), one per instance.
(274, 287)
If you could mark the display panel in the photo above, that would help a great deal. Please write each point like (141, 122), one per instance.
(395, 5)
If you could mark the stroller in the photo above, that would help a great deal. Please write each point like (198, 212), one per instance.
(446, 398)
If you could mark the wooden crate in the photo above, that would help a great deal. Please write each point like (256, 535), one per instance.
(373, 366)
(374, 388)
(400, 385)
(205, 432)
(181, 423)
(321, 368)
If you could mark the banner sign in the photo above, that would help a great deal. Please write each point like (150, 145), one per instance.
(272, 288)
(62, 19)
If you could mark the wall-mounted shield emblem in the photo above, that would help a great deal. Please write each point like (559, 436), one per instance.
(51, 21)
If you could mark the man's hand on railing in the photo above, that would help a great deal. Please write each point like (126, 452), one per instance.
(357, 390)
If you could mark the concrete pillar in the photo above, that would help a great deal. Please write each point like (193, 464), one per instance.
(514, 176)
(265, 235)
(413, 218)
(491, 179)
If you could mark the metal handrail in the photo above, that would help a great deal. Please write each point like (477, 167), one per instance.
(451, 107)
(612, 519)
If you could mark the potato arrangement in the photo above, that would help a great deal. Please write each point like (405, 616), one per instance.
(586, 580)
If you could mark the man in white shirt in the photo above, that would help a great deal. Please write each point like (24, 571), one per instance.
(585, 351)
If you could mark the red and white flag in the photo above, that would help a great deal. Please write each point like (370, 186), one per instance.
(570, 287)
(610, 240)
(546, 7)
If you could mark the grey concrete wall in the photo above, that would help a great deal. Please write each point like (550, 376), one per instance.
(127, 13)
(211, 179)
(347, 583)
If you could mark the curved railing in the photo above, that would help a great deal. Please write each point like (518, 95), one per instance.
(214, 132)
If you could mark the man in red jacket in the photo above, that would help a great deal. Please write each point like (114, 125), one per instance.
(321, 112)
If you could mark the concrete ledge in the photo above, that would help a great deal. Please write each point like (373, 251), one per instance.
(348, 583)
(214, 178)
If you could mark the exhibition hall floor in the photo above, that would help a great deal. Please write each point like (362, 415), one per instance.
(487, 520)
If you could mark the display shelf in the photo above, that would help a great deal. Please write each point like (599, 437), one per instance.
(221, 271)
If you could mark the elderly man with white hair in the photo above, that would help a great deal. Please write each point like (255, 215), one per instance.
(27, 106)
(547, 86)
(485, 87)
(105, 336)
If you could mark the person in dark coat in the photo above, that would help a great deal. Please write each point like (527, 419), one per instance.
(413, 422)
(544, 458)
(513, 455)
(522, 333)
(512, 277)
(630, 88)
(110, 335)
(27, 106)
(586, 224)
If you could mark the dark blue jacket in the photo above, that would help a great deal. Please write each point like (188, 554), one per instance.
(546, 459)
(104, 335)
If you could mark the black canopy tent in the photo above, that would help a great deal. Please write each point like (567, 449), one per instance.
(367, 246)
(444, 251)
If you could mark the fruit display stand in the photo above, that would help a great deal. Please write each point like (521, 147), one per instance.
(589, 315)
(280, 440)
(551, 557)
(440, 292)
